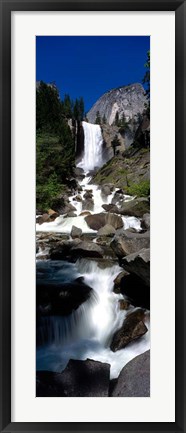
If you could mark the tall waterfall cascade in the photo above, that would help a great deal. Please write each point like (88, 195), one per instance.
(93, 143)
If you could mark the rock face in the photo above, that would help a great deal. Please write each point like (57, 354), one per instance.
(134, 378)
(127, 243)
(97, 221)
(129, 100)
(132, 328)
(139, 264)
(76, 232)
(79, 379)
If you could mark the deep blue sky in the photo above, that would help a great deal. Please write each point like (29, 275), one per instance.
(89, 66)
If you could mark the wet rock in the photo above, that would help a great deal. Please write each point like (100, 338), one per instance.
(132, 328)
(106, 230)
(53, 214)
(87, 249)
(107, 189)
(75, 232)
(129, 243)
(77, 198)
(70, 215)
(88, 204)
(118, 279)
(110, 208)
(88, 194)
(134, 378)
(145, 222)
(79, 379)
(139, 264)
(118, 197)
(85, 213)
(135, 289)
(62, 298)
(124, 304)
(43, 219)
(137, 207)
(79, 173)
(97, 221)
(62, 250)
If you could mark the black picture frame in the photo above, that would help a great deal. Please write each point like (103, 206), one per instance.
(6, 7)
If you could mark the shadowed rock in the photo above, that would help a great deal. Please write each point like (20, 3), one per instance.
(97, 221)
(139, 264)
(79, 379)
(134, 378)
(132, 328)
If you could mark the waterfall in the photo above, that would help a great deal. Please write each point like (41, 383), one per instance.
(92, 147)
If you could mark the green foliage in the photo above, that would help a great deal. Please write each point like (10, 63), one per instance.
(98, 118)
(48, 107)
(141, 189)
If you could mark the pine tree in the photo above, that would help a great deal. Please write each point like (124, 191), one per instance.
(98, 118)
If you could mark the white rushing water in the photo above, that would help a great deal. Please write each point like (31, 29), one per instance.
(93, 141)
(88, 331)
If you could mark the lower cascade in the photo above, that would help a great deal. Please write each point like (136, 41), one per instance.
(93, 142)
(87, 332)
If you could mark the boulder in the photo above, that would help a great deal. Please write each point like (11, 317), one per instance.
(88, 204)
(118, 279)
(132, 328)
(145, 222)
(79, 173)
(87, 249)
(106, 230)
(124, 304)
(62, 250)
(75, 232)
(97, 221)
(129, 242)
(118, 197)
(77, 198)
(110, 208)
(139, 264)
(134, 378)
(88, 194)
(79, 379)
(85, 213)
(53, 214)
(60, 299)
(135, 289)
(137, 207)
(45, 218)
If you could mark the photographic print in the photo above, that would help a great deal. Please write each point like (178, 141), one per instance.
(93, 216)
